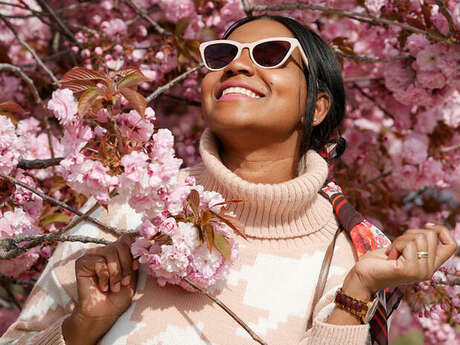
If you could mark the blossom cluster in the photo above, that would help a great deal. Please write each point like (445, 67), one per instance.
(402, 119)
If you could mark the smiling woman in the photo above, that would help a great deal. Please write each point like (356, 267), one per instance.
(271, 99)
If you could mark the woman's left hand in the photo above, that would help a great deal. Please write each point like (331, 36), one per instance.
(399, 264)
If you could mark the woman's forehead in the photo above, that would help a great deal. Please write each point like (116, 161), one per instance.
(259, 29)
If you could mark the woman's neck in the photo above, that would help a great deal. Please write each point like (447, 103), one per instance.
(269, 164)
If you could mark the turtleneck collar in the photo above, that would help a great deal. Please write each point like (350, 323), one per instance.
(283, 210)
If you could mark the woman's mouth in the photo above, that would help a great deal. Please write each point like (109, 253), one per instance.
(236, 92)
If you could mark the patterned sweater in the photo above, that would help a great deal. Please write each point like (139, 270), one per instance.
(271, 285)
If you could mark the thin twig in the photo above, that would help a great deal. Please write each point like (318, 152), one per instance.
(173, 82)
(30, 49)
(45, 5)
(37, 99)
(450, 148)
(42, 195)
(144, 15)
(28, 164)
(353, 15)
(373, 100)
(370, 59)
(372, 180)
(47, 58)
(228, 311)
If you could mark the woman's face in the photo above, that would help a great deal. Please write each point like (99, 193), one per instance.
(277, 114)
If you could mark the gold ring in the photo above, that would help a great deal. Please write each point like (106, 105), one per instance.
(422, 255)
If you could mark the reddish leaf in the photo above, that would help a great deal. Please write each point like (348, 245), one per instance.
(12, 107)
(78, 85)
(81, 73)
(209, 232)
(232, 222)
(87, 99)
(132, 80)
(193, 200)
(135, 99)
(223, 246)
(123, 72)
(205, 217)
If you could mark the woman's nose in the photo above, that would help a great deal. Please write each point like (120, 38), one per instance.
(243, 64)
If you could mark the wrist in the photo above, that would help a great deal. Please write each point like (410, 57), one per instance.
(353, 286)
(75, 329)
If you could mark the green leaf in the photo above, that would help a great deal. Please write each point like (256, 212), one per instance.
(87, 99)
(222, 245)
(135, 99)
(56, 218)
(132, 80)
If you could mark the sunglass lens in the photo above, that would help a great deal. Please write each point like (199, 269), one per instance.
(220, 55)
(271, 53)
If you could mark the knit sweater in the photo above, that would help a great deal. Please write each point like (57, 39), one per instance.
(270, 286)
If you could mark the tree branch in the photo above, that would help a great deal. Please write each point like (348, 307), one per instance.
(42, 195)
(173, 82)
(44, 5)
(373, 100)
(370, 59)
(28, 164)
(227, 310)
(30, 49)
(144, 15)
(354, 15)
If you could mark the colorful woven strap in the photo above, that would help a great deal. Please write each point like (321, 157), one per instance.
(365, 237)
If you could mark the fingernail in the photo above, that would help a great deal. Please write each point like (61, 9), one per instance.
(105, 288)
(116, 287)
(125, 281)
(429, 224)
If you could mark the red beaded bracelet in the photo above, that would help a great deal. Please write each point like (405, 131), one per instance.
(352, 305)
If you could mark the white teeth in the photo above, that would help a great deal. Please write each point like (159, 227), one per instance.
(240, 90)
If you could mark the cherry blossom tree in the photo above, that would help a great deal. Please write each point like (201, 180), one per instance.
(92, 106)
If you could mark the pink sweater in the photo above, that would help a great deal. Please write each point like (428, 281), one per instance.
(270, 286)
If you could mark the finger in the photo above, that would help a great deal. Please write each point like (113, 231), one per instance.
(407, 262)
(125, 257)
(423, 263)
(102, 273)
(447, 247)
(113, 264)
(396, 247)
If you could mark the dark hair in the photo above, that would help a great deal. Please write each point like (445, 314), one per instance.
(323, 75)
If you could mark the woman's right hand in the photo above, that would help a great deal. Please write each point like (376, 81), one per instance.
(106, 283)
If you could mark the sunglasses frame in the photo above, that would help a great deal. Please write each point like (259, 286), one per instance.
(294, 43)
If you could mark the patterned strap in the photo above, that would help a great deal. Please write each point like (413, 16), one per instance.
(365, 237)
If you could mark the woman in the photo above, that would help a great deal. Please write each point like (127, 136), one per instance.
(266, 116)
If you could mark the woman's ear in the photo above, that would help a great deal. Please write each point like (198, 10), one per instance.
(323, 102)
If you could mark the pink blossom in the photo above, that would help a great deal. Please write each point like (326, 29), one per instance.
(91, 178)
(415, 148)
(413, 96)
(374, 6)
(28, 126)
(64, 106)
(398, 76)
(114, 27)
(431, 80)
(168, 227)
(163, 144)
(451, 111)
(134, 126)
(427, 59)
(147, 229)
(416, 42)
